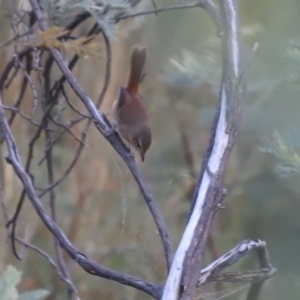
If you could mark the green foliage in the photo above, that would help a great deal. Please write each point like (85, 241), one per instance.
(8, 282)
(289, 159)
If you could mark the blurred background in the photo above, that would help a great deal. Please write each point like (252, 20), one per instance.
(100, 207)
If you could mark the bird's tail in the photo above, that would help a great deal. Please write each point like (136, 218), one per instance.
(137, 62)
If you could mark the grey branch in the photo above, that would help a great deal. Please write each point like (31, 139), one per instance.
(212, 272)
(182, 278)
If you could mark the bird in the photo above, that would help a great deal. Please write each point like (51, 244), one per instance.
(129, 111)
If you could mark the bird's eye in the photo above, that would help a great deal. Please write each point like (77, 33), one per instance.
(139, 145)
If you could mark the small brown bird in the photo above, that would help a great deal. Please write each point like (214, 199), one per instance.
(129, 110)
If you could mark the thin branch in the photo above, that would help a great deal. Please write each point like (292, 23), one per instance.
(13, 222)
(23, 85)
(10, 65)
(106, 129)
(69, 169)
(66, 98)
(107, 70)
(208, 5)
(252, 276)
(89, 122)
(31, 145)
(264, 264)
(68, 127)
(15, 73)
(51, 261)
(18, 111)
(52, 201)
(120, 17)
(26, 70)
(3, 205)
(212, 272)
(89, 266)
(58, 85)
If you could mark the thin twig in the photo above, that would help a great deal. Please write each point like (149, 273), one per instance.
(253, 276)
(18, 111)
(58, 85)
(57, 138)
(66, 128)
(89, 122)
(66, 98)
(107, 70)
(50, 260)
(71, 166)
(118, 18)
(52, 201)
(62, 268)
(31, 145)
(23, 85)
(208, 5)
(264, 264)
(15, 73)
(212, 272)
(26, 70)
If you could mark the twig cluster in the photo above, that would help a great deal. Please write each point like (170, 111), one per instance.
(183, 267)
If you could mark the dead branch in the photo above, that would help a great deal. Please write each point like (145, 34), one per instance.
(182, 281)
